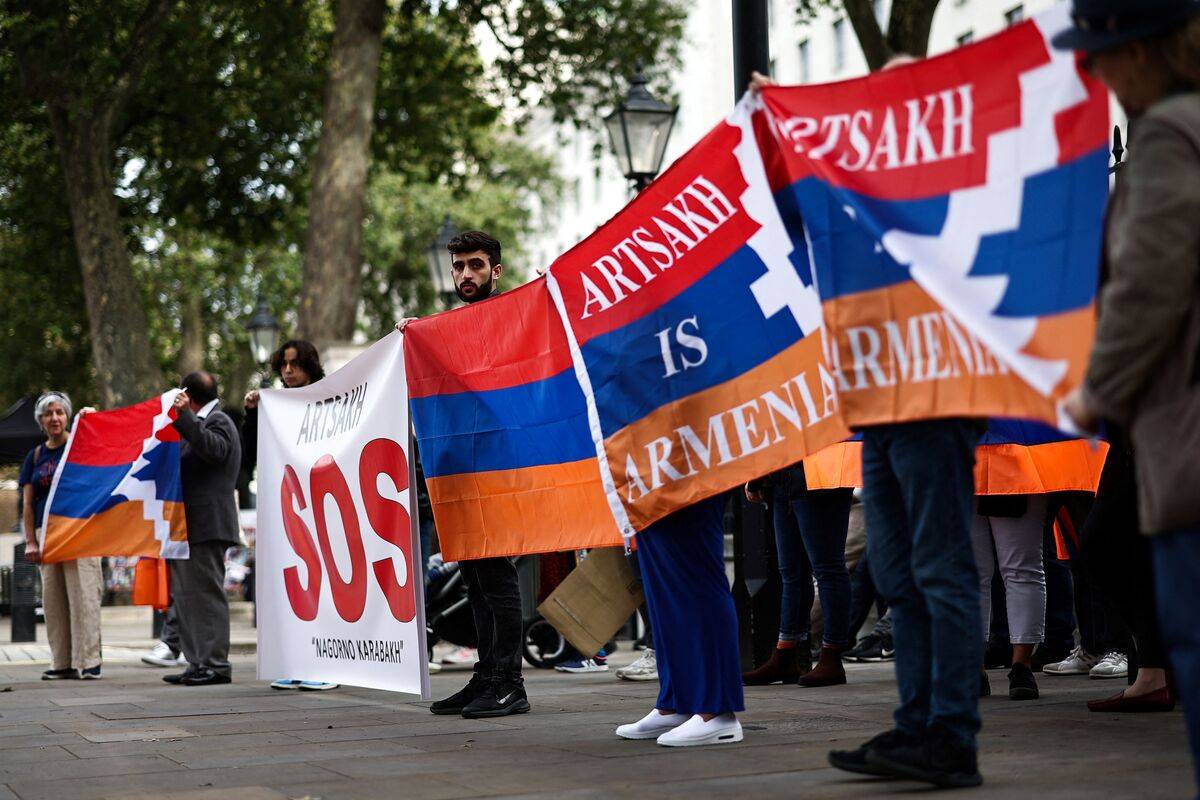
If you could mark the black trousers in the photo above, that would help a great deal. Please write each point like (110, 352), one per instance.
(863, 596)
(201, 607)
(495, 597)
(1118, 558)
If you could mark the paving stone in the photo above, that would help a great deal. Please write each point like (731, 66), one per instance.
(89, 768)
(139, 735)
(180, 781)
(295, 753)
(239, 793)
(193, 744)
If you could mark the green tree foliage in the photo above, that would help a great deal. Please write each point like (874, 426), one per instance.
(207, 115)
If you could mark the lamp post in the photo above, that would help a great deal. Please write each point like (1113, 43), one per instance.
(264, 333)
(439, 271)
(638, 129)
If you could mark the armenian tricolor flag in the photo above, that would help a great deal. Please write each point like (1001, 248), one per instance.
(116, 491)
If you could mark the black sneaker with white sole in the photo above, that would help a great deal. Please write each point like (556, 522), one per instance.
(91, 673)
(856, 760)
(503, 696)
(455, 703)
(69, 674)
(872, 649)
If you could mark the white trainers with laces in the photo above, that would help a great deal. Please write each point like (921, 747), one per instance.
(722, 729)
(1113, 665)
(644, 669)
(161, 655)
(1080, 662)
(651, 726)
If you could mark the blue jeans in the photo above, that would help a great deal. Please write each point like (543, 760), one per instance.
(918, 492)
(810, 536)
(1176, 565)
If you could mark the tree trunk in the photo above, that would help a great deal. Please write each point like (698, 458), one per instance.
(126, 368)
(908, 26)
(333, 249)
(191, 319)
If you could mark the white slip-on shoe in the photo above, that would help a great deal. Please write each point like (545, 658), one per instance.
(651, 726)
(723, 729)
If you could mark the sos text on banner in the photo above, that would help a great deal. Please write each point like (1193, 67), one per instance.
(919, 243)
(338, 578)
(116, 491)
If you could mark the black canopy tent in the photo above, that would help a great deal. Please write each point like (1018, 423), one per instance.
(19, 433)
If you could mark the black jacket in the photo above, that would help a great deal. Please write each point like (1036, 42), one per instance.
(209, 460)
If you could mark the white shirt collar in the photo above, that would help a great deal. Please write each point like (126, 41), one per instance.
(207, 409)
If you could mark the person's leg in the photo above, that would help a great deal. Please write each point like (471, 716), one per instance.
(791, 654)
(170, 630)
(891, 567)
(57, 609)
(683, 568)
(862, 594)
(1019, 543)
(1060, 601)
(1176, 564)
(823, 518)
(934, 464)
(485, 630)
(982, 544)
(84, 583)
(204, 609)
(501, 590)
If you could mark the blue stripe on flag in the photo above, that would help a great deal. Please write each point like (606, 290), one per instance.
(534, 424)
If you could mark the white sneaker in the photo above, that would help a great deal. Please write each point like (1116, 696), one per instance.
(162, 656)
(461, 655)
(723, 729)
(181, 661)
(286, 683)
(434, 667)
(1080, 662)
(644, 669)
(651, 726)
(1113, 665)
(317, 686)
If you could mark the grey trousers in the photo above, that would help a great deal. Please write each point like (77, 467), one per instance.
(170, 630)
(201, 607)
(1018, 543)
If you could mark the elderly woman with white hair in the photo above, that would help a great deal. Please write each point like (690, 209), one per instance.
(71, 590)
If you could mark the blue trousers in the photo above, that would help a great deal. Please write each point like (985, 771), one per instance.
(810, 537)
(918, 492)
(1176, 567)
(682, 558)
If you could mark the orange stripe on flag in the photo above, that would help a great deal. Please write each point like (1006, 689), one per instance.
(530, 510)
(900, 356)
(744, 426)
(119, 531)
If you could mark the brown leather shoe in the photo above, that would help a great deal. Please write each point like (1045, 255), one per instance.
(1158, 700)
(828, 671)
(781, 666)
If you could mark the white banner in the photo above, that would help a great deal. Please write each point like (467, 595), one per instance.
(339, 584)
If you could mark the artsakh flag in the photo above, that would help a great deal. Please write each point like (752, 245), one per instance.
(116, 491)
(953, 210)
(919, 243)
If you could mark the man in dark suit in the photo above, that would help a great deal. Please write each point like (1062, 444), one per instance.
(210, 456)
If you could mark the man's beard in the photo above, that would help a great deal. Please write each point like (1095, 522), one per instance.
(482, 291)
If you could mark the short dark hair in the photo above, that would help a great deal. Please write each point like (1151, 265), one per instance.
(201, 387)
(470, 241)
(306, 355)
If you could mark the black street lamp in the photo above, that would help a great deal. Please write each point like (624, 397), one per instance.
(439, 266)
(638, 129)
(264, 334)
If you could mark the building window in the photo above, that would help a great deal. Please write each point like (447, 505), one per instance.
(1014, 15)
(966, 38)
(805, 62)
(839, 45)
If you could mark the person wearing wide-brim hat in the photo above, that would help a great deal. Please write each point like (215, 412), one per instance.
(1143, 378)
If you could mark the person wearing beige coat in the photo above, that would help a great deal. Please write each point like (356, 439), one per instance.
(1144, 373)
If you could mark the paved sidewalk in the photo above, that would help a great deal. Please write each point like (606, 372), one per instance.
(130, 736)
(126, 636)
